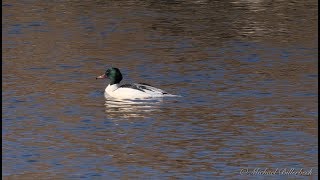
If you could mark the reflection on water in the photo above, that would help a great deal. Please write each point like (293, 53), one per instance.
(247, 71)
(121, 108)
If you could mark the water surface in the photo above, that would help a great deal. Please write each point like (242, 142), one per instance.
(246, 71)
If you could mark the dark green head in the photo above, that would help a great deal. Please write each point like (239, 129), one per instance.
(113, 74)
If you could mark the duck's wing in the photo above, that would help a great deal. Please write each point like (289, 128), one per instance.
(144, 88)
(131, 86)
(148, 87)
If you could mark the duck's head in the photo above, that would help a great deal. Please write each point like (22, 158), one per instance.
(113, 74)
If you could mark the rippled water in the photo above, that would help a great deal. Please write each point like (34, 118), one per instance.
(246, 71)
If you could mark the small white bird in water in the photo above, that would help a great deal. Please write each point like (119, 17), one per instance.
(129, 91)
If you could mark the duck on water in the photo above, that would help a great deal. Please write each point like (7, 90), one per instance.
(129, 91)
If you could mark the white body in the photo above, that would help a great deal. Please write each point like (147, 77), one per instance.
(129, 93)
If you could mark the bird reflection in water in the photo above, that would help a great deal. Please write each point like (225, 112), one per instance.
(119, 108)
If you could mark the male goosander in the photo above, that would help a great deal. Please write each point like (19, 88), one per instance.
(129, 91)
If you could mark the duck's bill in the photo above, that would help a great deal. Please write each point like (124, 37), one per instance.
(103, 76)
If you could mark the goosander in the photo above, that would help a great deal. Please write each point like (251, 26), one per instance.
(129, 91)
